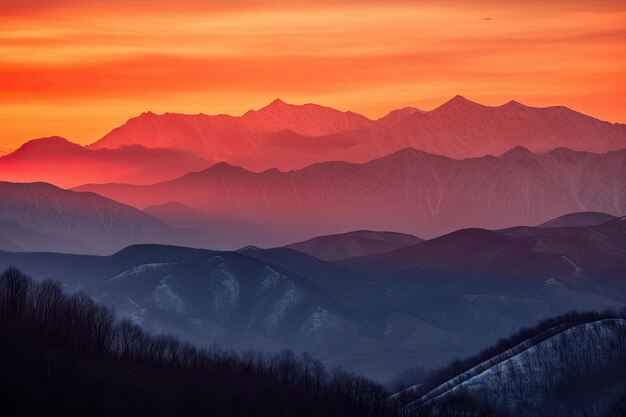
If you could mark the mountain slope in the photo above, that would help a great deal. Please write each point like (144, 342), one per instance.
(408, 191)
(18, 238)
(42, 217)
(544, 373)
(221, 232)
(58, 161)
(353, 244)
(308, 119)
(581, 266)
(579, 220)
(100, 224)
(461, 128)
(599, 248)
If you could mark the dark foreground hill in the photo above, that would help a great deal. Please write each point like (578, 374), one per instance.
(64, 355)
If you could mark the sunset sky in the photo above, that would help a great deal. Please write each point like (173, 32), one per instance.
(79, 68)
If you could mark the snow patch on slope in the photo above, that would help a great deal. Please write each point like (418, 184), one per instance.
(287, 298)
(225, 285)
(322, 328)
(138, 270)
(166, 298)
(132, 311)
(512, 380)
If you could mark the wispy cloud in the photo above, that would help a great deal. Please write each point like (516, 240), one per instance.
(112, 59)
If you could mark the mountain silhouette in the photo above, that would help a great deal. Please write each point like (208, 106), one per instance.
(63, 163)
(459, 128)
(409, 191)
(155, 147)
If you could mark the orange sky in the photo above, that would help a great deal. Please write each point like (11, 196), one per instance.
(79, 68)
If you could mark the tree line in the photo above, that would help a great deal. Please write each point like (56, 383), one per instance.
(66, 355)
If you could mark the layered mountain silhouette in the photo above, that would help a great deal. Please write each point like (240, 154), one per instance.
(43, 217)
(521, 252)
(289, 136)
(96, 222)
(56, 160)
(425, 303)
(279, 134)
(185, 225)
(409, 191)
(151, 147)
(201, 131)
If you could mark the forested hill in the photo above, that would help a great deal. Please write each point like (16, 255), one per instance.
(64, 355)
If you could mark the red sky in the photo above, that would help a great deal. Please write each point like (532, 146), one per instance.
(79, 68)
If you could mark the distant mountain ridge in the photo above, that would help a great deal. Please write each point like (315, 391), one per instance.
(409, 191)
(459, 128)
(151, 147)
(181, 131)
(518, 252)
(96, 222)
(579, 220)
(259, 139)
(352, 244)
(42, 217)
(63, 163)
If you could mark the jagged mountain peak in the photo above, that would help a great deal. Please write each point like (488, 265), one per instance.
(219, 168)
(304, 119)
(456, 103)
(513, 103)
(518, 150)
(280, 106)
(277, 102)
(408, 155)
(395, 116)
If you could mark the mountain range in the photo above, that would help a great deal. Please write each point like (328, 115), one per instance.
(57, 161)
(422, 304)
(375, 244)
(409, 191)
(311, 133)
(151, 147)
(43, 217)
